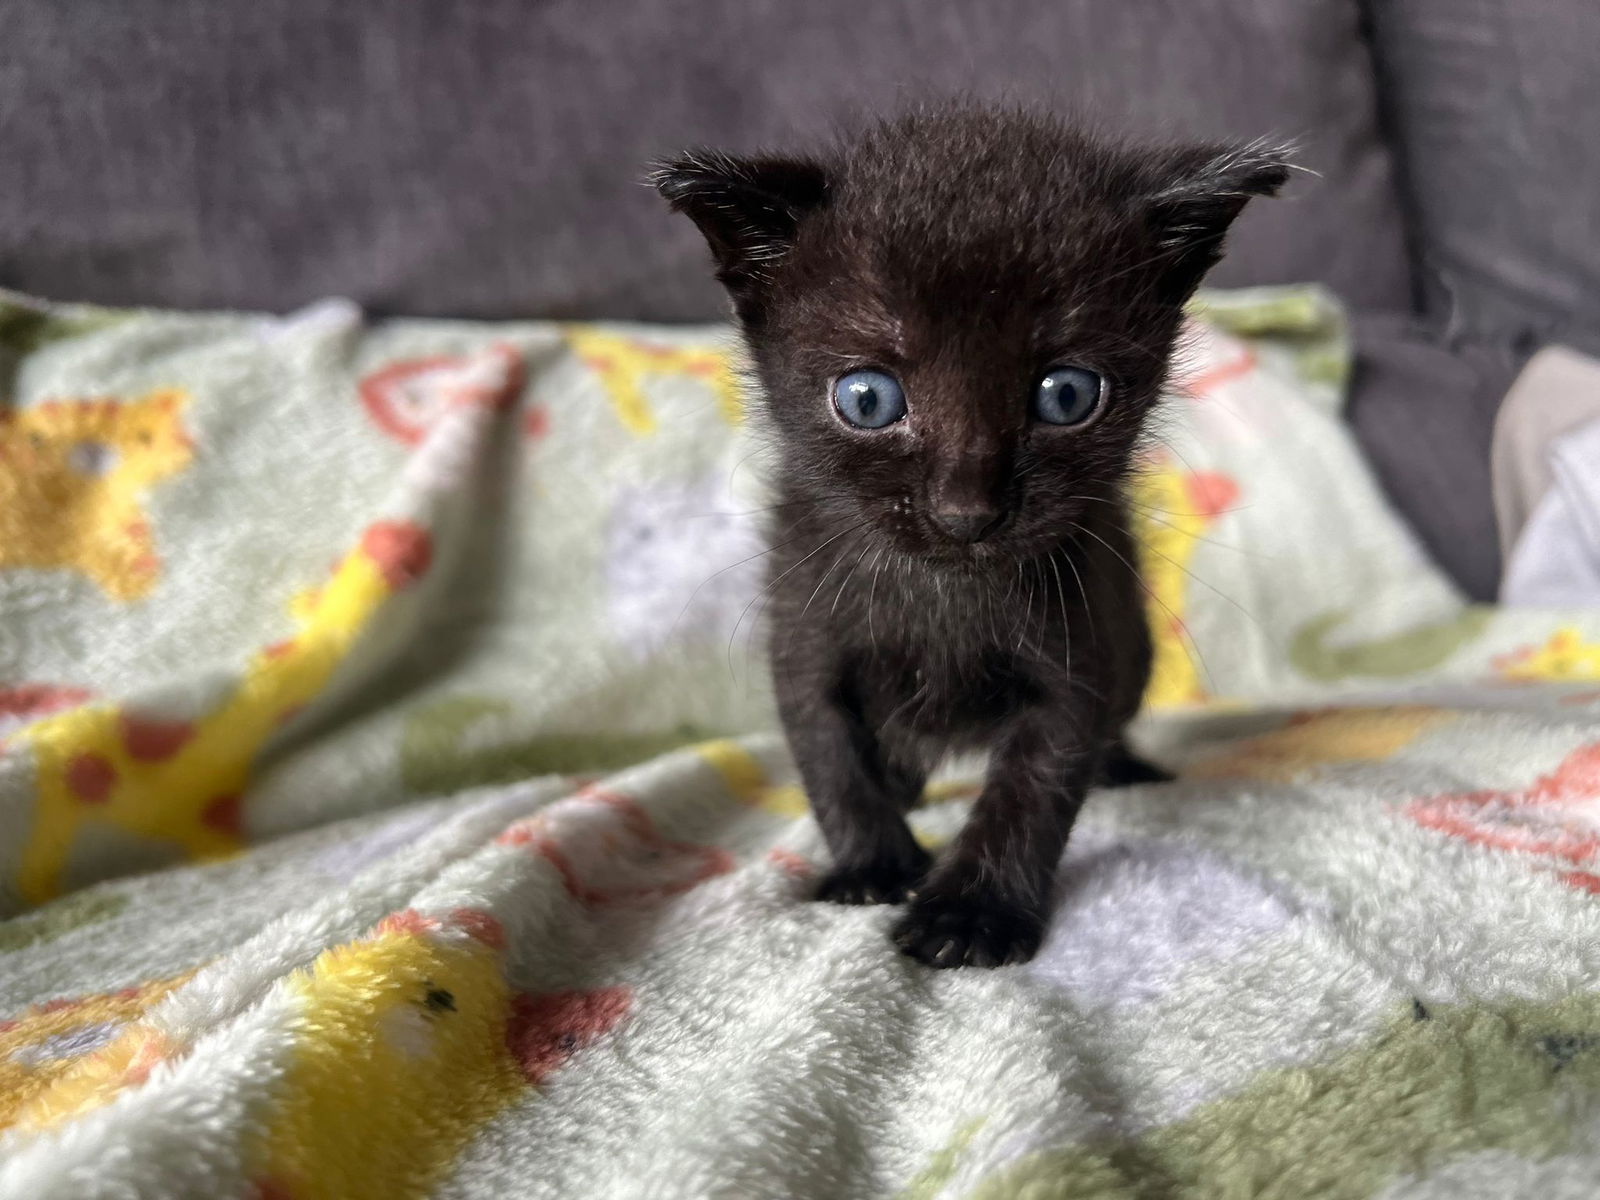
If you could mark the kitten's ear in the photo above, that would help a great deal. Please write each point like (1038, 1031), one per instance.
(1205, 188)
(747, 208)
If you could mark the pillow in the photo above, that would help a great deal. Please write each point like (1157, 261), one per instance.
(482, 159)
(1495, 104)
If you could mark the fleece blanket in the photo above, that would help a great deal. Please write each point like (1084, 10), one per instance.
(390, 805)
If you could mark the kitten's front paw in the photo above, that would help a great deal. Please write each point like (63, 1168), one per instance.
(872, 883)
(968, 931)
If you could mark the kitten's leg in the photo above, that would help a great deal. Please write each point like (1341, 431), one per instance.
(988, 900)
(859, 799)
(1121, 767)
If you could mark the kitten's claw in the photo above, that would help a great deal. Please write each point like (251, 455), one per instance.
(968, 931)
(876, 883)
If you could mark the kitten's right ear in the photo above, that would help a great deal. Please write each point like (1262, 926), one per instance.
(747, 208)
(1205, 188)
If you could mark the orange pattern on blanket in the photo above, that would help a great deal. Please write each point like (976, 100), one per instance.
(1564, 657)
(73, 475)
(624, 363)
(405, 399)
(42, 1045)
(608, 850)
(1316, 739)
(179, 781)
(1171, 510)
(1552, 820)
(20, 706)
(1202, 384)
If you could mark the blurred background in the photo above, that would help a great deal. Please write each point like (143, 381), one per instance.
(482, 159)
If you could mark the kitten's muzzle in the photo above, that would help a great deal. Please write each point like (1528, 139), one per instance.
(967, 523)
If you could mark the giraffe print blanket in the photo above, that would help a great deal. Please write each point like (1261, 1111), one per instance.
(389, 804)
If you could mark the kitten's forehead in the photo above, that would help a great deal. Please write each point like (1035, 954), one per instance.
(1006, 183)
(912, 297)
(963, 217)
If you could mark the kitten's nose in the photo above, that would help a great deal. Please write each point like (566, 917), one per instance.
(967, 523)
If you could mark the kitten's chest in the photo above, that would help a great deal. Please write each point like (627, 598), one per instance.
(950, 692)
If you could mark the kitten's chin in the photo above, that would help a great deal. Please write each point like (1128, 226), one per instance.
(964, 558)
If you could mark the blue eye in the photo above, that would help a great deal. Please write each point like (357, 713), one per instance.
(869, 399)
(1067, 395)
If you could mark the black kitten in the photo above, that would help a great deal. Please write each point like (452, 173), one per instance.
(960, 321)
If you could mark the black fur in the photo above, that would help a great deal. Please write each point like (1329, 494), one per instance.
(965, 251)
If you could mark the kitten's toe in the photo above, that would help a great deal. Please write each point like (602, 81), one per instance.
(968, 931)
(870, 883)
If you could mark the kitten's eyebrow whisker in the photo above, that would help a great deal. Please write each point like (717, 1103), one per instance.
(1137, 348)
(1169, 252)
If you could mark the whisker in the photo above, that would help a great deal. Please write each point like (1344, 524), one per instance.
(839, 558)
(1149, 513)
(772, 584)
(1177, 622)
(1083, 592)
(872, 633)
(837, 596)
(1061, 594)
(1203, 583)
(723, 571)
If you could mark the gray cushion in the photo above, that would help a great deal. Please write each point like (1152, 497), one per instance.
(1497, 105)
(1424, 413)
(482, 159)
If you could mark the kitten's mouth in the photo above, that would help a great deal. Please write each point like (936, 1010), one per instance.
(954, 554)
(914, 535)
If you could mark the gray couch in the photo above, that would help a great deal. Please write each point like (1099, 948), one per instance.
(482, 159)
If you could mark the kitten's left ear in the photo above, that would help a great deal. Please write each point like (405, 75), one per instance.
(1206, 188)
(748, 209)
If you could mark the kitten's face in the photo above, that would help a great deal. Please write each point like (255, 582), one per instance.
(962, 320)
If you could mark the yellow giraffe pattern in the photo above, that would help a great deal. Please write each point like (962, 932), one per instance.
(72, 475)
(36, 1047)
(1313, 740)
(401, 1051)
(623, 363)
(1170, 511)
(403, 1056)
(180, 782)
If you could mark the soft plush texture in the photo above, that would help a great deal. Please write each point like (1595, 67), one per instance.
(373, 637)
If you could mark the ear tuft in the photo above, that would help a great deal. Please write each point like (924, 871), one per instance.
(748, 209)
(1205, 189)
